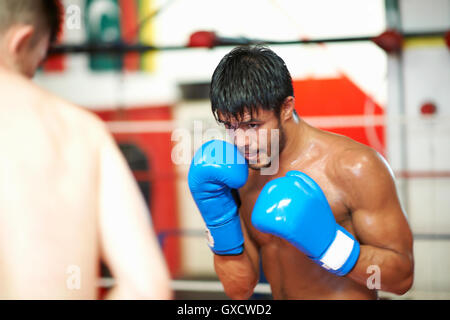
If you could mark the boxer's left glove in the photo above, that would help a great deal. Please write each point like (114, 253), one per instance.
(295, 208)
(216, 169)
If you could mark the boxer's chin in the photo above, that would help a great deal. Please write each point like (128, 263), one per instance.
(258, 167)
(259, 163)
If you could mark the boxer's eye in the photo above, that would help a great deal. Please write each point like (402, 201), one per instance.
(253, 125)
(229, 126)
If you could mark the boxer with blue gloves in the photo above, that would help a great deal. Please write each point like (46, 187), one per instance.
(325, 222)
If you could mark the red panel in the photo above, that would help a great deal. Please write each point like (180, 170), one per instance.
(56, 63)
(340, 97)
(130, 27)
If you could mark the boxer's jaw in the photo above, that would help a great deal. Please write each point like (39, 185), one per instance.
(272, 152)
(277, 135)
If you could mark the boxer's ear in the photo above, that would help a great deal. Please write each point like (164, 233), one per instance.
(20, 38)
(287, 109)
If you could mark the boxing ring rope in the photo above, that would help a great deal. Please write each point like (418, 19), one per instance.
(389, 40)
(324, 122)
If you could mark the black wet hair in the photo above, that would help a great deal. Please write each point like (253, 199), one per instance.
(249, 78)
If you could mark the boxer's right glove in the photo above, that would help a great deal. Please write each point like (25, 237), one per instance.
(216, 168)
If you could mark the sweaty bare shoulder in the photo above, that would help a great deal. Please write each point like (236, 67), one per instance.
(377, 217)
(364, 175)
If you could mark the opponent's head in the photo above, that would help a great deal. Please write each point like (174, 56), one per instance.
(252, 94)
(27, 28)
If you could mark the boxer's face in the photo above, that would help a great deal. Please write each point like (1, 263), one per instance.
(259, 136)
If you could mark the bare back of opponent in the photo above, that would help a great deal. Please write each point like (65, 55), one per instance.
(67, 197)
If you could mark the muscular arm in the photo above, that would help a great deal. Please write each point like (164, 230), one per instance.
(379, 223)
(128, 242)
(239, 274)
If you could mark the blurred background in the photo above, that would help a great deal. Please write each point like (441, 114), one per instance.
(377, 71)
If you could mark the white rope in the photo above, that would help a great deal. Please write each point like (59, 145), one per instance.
(193, 285)
(141, 126)
(324, 122)
(264, 288)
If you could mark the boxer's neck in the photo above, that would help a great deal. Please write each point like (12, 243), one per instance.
(297, 136)
(3, 67)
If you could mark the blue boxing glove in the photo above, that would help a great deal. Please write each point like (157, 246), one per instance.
(217, 168)
(294, 208)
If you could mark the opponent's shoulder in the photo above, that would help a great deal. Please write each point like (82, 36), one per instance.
(74, 120)
(77, 116)
(75, 125)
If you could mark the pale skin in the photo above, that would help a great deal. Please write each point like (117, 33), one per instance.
(360, 189)
(67, 197)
